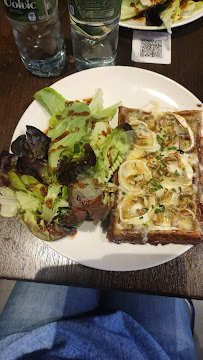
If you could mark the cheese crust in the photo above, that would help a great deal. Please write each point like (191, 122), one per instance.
(159, 197)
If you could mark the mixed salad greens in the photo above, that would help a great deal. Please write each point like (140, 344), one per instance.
(55, 181)
(159, 12)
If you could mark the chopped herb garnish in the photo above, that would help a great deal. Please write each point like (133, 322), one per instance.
(180, 188)
(149, 181)
(145, 143)
(158, 187)
(172, 148)
(174, 190)
(141, 217)
(159, 157)
(146, 209)
(176, 173)
(183, 169)
(160, 171)
(135, 175)
(157, 210)
(173, 180)
(163, 163)
(162, 209)
(142, 187)
(160, 141)
(152, 206)
(123, 193)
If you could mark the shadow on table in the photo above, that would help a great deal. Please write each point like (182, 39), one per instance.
(166, 279)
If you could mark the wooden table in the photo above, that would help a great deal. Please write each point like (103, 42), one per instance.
(24, 257)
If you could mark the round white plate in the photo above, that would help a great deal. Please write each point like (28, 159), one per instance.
(135, 88)
(140, 24)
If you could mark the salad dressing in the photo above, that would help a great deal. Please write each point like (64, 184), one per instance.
(183, 4)
(73, 113)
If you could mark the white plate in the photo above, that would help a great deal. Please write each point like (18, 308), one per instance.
(140, 24)
(135, 88)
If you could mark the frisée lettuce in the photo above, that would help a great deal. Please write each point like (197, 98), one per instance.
(55, 181)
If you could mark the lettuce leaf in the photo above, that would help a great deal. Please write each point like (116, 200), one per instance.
(111, 152)
(170, 14)
(40, 228)
(53, 202)
(34, 186)
(192, 6)
(98, 112)
(28, 202)
(15, 181)
(97, 102)
(8, 202)
(68, 169)
(129, 9)
(51, 100)
(31, 154)
(34, 144)
(68, 132)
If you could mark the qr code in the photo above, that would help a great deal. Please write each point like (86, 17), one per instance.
(151, 48)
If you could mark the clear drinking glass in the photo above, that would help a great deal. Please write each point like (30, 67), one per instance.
(94, 32)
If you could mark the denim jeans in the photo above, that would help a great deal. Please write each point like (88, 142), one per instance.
(54, 308)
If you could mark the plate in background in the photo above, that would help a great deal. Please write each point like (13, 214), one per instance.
(140, 24)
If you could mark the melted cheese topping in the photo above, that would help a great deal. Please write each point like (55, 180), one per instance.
(133, 175)
(183, 122)
(157, 189)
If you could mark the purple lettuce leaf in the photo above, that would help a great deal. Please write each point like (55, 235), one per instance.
(38, 141)
(35, 144)
(68, 170)
(37, 168)
(7, 162)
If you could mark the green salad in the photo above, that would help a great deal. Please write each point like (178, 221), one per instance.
(159, 12)
(55, 181)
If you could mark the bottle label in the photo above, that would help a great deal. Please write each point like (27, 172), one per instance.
(29, 10)
(95, 10)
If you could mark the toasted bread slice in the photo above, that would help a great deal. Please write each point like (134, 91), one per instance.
(160, 182)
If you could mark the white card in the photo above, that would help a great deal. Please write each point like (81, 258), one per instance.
(151, 47)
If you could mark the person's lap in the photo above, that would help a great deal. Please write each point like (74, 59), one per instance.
(32, 305)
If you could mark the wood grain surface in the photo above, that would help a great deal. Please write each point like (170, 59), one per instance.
(23, 256)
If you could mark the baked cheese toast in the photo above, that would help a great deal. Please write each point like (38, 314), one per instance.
(159, 199)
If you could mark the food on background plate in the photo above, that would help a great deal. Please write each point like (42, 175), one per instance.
(159, 196)
(55, 181)
(159, 12)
